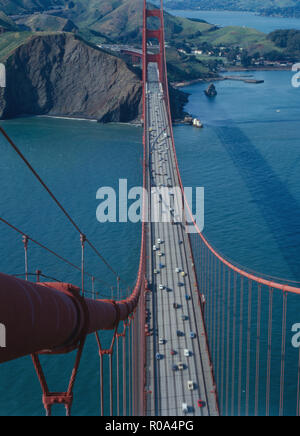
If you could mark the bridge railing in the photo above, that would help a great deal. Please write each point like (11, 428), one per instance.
(71, 317)
(251, 326)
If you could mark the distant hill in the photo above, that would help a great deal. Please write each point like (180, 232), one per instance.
(44, 22)
(14, 7)
(120, 21)
(244, 5)
(117, 20)
(6, 23)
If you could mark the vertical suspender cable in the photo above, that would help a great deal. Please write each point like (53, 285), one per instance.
(298, 388)
(215, 310)
(219, 320)
(82, 240)
(269, 353)
(257, 374)
(248, 346)
(118, 378)
(241, 345)
(111, 394)
(228, 342)
(25, 242)
(233, 344)
(283, 348)
(223, 339)
(124, 373)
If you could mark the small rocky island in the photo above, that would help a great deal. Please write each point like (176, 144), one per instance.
(211, 91)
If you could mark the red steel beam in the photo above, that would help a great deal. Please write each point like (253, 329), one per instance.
(153, 13)
(51, 316)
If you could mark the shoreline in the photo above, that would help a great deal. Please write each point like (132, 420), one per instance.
(228, 70)
(64, 117)
(91, 120)
(241, 11)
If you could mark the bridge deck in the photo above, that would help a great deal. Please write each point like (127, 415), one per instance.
(170, 388)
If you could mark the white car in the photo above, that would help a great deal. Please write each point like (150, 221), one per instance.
(177, 270)
(159, 241)
(161, 341)
(190, 385)
(154, 248)
(161, 287)
(185, 408)
(180, 366)
(186, 353)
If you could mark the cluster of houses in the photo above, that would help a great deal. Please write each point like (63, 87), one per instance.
(234, 56)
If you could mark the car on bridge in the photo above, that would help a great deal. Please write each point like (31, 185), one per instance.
(158, 356)
(201, 404)
(190, 385)
(185, 408)
(192, 335)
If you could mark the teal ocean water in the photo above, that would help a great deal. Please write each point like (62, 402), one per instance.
(247, 158)
(247, 19)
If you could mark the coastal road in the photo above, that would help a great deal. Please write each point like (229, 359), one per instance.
(179, 377)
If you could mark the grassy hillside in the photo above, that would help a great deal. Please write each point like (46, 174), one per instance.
(245, 5)
(118, 20)
(10, 41)
(182, 67)
(12, 7)
(7, 23)
(195, 48)
(232, 36)
(44, 22)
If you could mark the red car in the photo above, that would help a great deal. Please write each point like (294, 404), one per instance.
(201, 404)
(173, 352)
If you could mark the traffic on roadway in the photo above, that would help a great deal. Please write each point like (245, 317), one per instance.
(179, 376)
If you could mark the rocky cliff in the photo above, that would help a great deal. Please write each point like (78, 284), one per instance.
(59, 74)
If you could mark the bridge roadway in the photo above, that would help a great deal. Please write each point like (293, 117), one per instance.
(168, 388)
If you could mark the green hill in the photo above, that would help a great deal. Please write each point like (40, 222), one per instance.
(242, 5)
(232, 36)
(120, 21)
(12, 7)
(44, 22)
(7, 23)
(10, 41)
